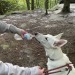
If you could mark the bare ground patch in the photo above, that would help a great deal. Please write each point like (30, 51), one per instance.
(31, 53)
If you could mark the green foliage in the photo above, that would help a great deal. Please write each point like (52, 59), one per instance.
(6, 6)
(11, 5)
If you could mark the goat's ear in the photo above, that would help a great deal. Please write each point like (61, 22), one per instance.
(60, 43)
(58, 36)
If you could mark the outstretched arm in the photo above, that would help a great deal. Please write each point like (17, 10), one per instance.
(4, 27)
(9, 69)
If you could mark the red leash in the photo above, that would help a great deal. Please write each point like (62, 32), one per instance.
(66, 69)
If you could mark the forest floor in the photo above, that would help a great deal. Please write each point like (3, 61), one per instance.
(31, 53)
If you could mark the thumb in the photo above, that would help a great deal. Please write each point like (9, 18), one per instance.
(41, 71)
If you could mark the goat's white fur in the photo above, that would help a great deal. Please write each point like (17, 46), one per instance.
(52, 45)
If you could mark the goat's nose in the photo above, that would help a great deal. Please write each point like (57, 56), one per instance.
(35, 33)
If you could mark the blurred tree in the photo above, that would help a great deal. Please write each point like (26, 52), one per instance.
(37, 4)
(46, 6)
(28, 4)
(32, 4)
(66, 7)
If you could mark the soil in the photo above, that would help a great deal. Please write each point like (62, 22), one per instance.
(30, 53)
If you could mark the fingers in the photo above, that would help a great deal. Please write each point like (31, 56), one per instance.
(41, 71)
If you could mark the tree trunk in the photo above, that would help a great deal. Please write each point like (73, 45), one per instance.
(28, 4)
(66, 7)
(46, 6)
(37, 3)
(32, 4)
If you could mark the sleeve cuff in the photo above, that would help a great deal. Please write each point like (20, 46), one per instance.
(34, 70)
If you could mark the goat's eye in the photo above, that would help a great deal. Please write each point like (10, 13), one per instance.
(46, 38)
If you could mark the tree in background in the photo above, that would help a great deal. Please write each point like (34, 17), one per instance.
(28, 4)
(32, 4)
(46, 6)
(37, 3)
(66, 7)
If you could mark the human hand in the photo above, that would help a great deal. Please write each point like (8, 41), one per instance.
(36, 70)
(41, 71)
(22, 33)
(26, 35)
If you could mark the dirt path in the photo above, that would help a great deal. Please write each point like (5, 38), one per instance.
(30, 53)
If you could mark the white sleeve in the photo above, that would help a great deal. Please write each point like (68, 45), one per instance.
(4, 27)
(10, 69)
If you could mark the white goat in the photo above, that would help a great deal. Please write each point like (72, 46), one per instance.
(56, 58)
